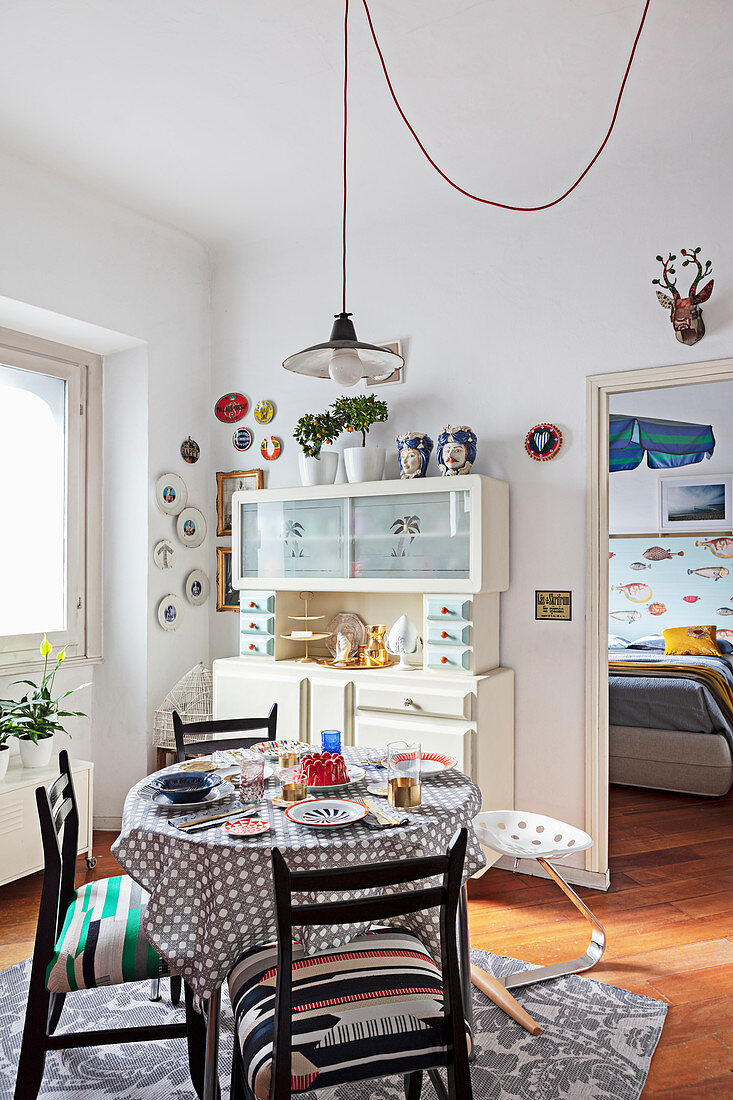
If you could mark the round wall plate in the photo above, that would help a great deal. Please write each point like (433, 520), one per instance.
(242, 439)
(197, 587)
(231, 407)
(542, 442)
(264, 411)
(191, 527)
(270, 447)
(170, 612)
(190, 451)
(164, 554)
(171, 494)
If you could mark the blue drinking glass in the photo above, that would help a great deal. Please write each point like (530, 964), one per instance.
(330, 740)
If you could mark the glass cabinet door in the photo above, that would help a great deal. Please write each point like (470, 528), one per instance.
(415, 536)
(300, 538)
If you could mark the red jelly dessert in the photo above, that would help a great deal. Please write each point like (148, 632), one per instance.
(322, 769)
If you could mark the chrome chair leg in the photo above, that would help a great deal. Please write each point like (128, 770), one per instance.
(589, 958)
(155, 989)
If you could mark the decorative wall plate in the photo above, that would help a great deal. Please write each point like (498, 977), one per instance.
(264, 412)
(190, 450)
(543, 442)
(164, 554)
(326, 813)
(231, 407)
(352, 626)
(271, 447)
(197, 587)
(242, 439)
(170, 612)
(171, 494)
(191, 527)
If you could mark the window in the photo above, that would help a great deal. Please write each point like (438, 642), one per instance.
(50, 464)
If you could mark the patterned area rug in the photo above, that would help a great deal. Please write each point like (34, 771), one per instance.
(596, 1044)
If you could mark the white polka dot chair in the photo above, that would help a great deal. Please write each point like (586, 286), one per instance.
(534, 836)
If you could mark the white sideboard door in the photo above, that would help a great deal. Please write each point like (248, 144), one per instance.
(244, 691)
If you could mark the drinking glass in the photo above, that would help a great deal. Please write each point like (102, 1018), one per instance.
(330, 740)
(404, 761)
(292, 789)
(252, 780)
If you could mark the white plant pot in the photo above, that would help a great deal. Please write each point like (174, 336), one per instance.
(364, 463)
(36, 755)
(4, 760)
(14, 746)
(318, 471)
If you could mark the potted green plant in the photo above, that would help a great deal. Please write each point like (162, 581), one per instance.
(358, 414)
(35, 717)
(313, 431)
(7, 729)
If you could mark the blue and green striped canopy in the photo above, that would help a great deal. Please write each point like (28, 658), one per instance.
(666, 442)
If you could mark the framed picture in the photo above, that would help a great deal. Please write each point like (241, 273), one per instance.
(226, 485)
(701, 503)
(227, 598)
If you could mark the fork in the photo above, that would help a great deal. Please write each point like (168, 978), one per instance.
(382, 819)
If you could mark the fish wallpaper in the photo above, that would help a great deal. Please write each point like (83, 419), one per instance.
(659, 581)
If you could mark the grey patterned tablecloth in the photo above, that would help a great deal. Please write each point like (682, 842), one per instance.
(211, 894)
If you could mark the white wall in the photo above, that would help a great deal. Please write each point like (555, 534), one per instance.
(71, 261)
(634, 494)
(505, 315)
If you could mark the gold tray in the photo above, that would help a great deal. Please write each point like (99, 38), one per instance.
(327, 663)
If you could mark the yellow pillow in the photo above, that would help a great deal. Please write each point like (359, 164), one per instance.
(697, 641)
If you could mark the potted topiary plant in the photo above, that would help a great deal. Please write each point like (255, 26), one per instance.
(35, 718)
(358, 414)
(313, 431)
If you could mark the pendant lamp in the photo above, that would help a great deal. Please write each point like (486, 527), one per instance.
(342, 357)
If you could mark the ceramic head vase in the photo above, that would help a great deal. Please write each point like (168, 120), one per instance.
(413, 453)
(456, 452)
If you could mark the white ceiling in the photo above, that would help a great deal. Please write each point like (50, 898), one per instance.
(222, 117)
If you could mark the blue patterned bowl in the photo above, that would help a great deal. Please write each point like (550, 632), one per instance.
(185, 786)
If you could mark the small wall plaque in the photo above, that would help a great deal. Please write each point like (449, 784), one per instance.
(553, 605)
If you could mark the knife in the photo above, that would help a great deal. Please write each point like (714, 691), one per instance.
(223, 815)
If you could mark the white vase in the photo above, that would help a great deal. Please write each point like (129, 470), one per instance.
(4, 760)
(364, 463)
(318, 471)
(35, 754)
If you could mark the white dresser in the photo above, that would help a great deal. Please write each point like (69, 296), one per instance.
(434, 549)
(21, 852)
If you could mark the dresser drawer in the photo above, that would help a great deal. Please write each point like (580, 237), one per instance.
(450, 659)
(450, 609)
(418, 700)
(449, 633)
(250, 645)
(256, 601)
(251, 623)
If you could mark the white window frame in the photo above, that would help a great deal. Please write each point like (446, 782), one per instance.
(82, 372)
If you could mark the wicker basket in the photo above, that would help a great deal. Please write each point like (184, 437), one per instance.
(191, 697)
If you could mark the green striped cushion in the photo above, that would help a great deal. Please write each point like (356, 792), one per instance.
(102, 941)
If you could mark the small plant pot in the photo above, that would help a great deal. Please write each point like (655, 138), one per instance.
(318, 471)
(4, 760)
(35, 754)
(364, 463)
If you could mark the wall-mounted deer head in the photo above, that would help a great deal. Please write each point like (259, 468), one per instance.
(685, 313)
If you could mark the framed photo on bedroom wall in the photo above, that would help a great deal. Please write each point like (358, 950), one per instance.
(227, 598)
(228, 483)
(701, 503)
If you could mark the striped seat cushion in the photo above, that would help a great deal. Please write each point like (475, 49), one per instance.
(371, 1008)
(102, 940)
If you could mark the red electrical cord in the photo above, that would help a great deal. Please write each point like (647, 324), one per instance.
(408, 124)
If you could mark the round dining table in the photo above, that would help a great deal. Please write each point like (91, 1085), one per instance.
(211, 894)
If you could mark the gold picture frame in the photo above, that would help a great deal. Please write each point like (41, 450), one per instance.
(243, 479)
(227, 598)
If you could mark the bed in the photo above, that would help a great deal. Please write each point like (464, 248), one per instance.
(671, 721)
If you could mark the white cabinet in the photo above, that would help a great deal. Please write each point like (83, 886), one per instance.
(21, 852)
(244, 691)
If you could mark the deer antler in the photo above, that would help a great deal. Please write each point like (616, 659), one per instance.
(690, 255)
(668, 270)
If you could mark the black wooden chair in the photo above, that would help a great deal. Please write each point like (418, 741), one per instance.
(186, 743)
(74, 950)
(375, 1007)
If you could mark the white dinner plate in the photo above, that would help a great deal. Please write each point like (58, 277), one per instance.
(156, 798)
(326, 813)
(432, 764)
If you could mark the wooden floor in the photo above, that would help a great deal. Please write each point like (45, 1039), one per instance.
(668, 915)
